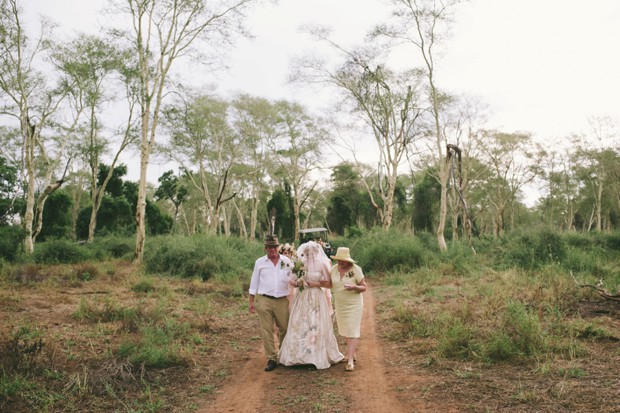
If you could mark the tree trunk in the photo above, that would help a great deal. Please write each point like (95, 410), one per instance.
(28, 132)
(443, 205)
(145, 151)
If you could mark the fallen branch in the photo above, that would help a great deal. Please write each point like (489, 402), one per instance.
(600, 291)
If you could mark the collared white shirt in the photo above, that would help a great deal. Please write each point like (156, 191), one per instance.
(269, 279)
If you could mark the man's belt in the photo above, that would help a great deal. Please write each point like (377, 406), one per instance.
(271, 296)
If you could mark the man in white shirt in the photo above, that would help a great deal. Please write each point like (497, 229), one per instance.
(269, 289)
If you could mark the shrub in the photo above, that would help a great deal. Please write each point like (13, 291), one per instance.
(60, 252)
(523, 329)
(144, 285)
(11, 241)
(20, 351)
(86, 272)
(112, 246)
(533, 250)
(383, 251)
(459, 341)
(201, 256)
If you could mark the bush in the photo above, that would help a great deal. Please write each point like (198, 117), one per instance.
(11, 241)
(60, 251)
(19, 353)
(201, 256)
(111, 246)
(383, 251)
(532, 250)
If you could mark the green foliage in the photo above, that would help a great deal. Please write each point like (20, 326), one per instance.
(14, 385)
(144, 285)
(112, 246)
(109, 311)
(201, 256)
(11, 241)
(115, 216)
(9, 205)
(349, 202)
(383, 251)
(459, 341)
(86, 271)
(60, 251)
(426, 201)
(520, 334)
(530, 251)
(282, 202)
(56, 216)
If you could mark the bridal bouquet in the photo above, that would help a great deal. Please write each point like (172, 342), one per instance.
(300, 271)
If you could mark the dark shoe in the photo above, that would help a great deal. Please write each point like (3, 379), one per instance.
(271, 365)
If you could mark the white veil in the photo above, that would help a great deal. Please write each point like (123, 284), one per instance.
(313, 257)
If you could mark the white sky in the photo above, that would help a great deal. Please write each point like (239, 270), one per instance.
(542, 66)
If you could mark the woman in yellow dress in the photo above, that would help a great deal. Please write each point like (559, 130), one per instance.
(347, 283)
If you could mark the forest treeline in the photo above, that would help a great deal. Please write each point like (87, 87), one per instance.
(72, 110)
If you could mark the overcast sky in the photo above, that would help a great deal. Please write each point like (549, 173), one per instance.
(542, 66)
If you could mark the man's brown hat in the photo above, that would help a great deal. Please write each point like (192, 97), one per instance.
(271, 241)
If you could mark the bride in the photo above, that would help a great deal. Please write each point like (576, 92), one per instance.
(310, 337)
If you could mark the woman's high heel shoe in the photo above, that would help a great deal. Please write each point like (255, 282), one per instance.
(350, 366)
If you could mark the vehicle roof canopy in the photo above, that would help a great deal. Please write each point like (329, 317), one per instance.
(309, 230)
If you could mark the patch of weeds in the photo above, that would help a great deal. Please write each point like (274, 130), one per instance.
(53, 374)
(27, 274)
(9, 300)
(19, 353)
(144, 285)
(108, 312)
(221, 373)
(196, 339)
(14, 385)
(209, 388)
(157, 346)
(459, 341)
(150, 400)
(572, 373)
(200, 305)
(597, 333)
(469, 373)
(86, 272)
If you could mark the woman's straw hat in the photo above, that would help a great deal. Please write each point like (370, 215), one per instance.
(342, 254)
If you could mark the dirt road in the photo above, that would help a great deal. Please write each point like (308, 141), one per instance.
(250, 389)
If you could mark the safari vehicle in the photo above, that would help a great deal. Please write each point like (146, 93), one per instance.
(319, 235)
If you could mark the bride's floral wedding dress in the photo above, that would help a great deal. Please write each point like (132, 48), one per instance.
(310, 337)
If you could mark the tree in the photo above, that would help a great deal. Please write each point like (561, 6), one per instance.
(203, 142)
(164, 31)
(508, 155)
(425, 201)
(57, 216)
(172, 190)
(420, 23)
(345, 199)
(388, 103)
(28, 99)
(297, 150)
(255, 120)
(90, 64)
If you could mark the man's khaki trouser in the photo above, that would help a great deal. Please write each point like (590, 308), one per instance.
(268, 310)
